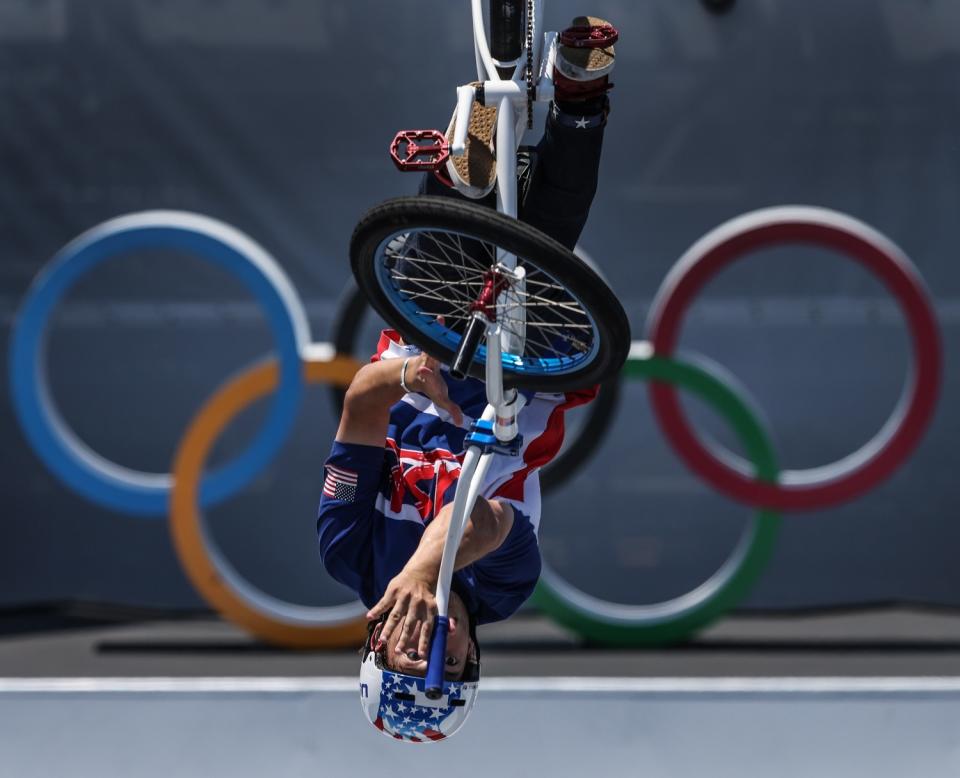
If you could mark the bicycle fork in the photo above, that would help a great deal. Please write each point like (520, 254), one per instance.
(495, 432)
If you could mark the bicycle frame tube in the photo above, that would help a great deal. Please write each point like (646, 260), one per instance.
(507, 167)
(486, 64)
(486, 69)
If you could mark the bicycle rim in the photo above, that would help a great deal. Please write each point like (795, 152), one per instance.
(423, 263)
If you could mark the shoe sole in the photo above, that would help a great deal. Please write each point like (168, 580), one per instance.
(475, 173)
(586, 64)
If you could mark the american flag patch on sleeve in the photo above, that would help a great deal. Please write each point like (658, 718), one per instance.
(340, 484)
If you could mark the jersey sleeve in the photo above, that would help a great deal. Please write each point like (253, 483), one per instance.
(353, 475)
(505, 578)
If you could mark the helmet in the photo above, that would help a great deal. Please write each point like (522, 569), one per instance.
(397, 704)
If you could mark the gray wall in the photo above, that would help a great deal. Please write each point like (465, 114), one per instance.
(275, 116)
(674, 728)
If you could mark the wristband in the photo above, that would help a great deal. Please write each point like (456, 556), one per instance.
(403, 374)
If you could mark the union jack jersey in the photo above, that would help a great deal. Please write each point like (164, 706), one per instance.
(377, 501)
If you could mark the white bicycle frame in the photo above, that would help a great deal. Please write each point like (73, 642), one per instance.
(503, 406)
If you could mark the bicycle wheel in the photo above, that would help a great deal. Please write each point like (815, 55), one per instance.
(424, 263)
(582, 437)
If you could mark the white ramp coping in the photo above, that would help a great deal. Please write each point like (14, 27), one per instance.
(801, 685)
(657, 727)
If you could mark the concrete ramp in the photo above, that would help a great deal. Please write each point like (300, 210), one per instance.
(530, 727)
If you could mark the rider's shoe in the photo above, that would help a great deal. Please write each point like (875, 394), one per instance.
(475, 173)
(582, 74)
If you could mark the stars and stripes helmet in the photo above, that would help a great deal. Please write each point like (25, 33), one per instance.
(397, 704)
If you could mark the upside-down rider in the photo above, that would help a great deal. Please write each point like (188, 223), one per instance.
(390, 478)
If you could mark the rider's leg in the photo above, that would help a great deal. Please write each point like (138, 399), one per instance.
(559, 197)
(564, 180)
(565, 177)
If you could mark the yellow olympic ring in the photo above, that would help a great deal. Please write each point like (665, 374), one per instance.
(217, 582)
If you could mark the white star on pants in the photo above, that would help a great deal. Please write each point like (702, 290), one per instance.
(582, 123)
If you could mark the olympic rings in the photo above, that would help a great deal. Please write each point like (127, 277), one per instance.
(219, 583)
(877, 459)
(273, 620)
(669, 621)
(96, 478)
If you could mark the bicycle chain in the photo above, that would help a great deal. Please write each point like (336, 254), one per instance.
(531, 85)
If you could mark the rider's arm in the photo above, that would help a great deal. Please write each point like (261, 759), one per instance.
(376, 387)
(411, 596)
(347, 515)
(505, 579)
(488, 525)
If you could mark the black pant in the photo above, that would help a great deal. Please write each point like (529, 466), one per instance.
(557, 198)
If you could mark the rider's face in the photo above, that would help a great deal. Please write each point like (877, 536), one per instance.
(459, 647)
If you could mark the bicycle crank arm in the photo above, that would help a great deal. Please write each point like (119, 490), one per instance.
(465, 97)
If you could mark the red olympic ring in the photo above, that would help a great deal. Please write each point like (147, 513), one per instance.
(878, 458)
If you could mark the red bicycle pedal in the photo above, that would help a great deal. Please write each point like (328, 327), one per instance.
(594, 36)
(418, 150)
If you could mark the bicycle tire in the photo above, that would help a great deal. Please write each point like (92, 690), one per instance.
(353, 306)
(598, 306)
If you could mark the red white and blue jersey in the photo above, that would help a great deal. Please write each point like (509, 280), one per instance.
(376, 501)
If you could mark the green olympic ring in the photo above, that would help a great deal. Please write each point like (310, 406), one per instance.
(675, 619)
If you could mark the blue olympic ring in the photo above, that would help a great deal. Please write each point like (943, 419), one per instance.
(85, 471)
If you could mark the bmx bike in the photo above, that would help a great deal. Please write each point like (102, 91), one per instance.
(491, 297)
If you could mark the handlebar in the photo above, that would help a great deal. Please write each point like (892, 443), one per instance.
(436, 664)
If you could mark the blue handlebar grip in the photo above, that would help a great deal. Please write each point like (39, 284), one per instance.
(436, 664)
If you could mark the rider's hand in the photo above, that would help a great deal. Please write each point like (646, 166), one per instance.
(412, 605)
(423, 375)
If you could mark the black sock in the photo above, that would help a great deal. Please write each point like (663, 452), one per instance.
(590, 107)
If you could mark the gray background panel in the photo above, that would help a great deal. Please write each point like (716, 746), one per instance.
(275, 117)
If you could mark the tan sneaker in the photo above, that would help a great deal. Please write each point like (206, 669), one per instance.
(475, 173)
(586, 64)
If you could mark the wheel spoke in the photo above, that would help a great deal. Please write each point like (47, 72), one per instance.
(443, 285)
(405, 257)
(432, 261)
(446, 269)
